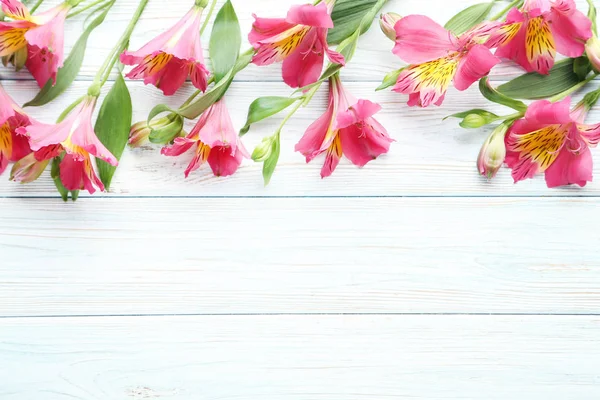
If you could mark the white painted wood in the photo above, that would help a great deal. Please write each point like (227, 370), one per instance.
(430, 156)
(182, 256)
(372, 61)
(301, 357)
(141, 255)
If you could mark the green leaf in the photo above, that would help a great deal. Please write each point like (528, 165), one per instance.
(67, 74)
(159, 109)
(347, 16)
(271, 163)
(55, 174)
(264, 107)
(390, 79)
(495, 96)
(533, 86)
(112, 126)
(225, 41)
(469, 17)
(196, 108)
(475, 118)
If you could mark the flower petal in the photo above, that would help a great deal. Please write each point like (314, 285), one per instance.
(303, 67)
(544, 112)
(590, 133)
(332, 159)
(570, 28)
(540, 45)
(15, 9)
(362, 110)
(223, 161)
(570, 168)
(310, 15)
(533, 152)
(430, 80)
(475, 65)
(420, 39)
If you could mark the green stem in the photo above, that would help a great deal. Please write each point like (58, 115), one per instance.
(572, 89)
(84, 9)
(70, 108)
(36, 6)
(210, 12)
(515, 3)
(110, 61)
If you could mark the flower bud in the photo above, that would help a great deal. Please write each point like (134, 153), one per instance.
(138, 135)
(493, 152)
(592, 50)
(27, 169)
(472, 121)
(18, 59)
(387, 23)
(263, 150)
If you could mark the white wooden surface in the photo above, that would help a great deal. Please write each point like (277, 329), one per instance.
(410, 278)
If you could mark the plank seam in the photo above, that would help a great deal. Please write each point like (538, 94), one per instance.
(301, 314)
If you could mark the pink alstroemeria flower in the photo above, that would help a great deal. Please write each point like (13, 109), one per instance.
(533, 35)
(552, 140)
(167, 60)
(13, 147)
(76, 137)
(348, 128)
(215, 140)
(42, 36)
(300, 41)
(438, 57)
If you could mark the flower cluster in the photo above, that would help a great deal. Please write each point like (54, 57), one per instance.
(546, 137)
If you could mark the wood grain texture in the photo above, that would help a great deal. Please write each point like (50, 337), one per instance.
(430, 157)
(301, 357)
(372, 61)
(215, 256)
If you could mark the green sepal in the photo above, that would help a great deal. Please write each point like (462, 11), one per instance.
(225, 41)
(533, 86)
(495, 96)
(113, 125)
(469, 17)
(67, 74)
(390, 79)
(264, 107)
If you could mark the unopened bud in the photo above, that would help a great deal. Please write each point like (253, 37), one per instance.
(138, 134)
(27, 169)
(472, 121)
(263, 150)
(592, 50)
(387, 22)
(493, 152)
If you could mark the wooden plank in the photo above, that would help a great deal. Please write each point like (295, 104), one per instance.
(215, 256)
(430, 157)
(301, 357)
(372, 61)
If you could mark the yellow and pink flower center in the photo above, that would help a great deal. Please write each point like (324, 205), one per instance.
(541, 146)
